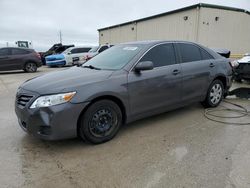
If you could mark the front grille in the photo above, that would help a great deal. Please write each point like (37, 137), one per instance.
(22, 100)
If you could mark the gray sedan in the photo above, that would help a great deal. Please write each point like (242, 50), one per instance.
(123, 84)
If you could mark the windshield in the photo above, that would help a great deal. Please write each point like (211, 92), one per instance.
(114, 58)
(94, 49)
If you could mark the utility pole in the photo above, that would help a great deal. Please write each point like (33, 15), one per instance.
(60, 35)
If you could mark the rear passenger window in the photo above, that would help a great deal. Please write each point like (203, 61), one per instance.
(161, 55)
(83, 50)
(205, 55)
(4, 51)
(74, 51)
(189, 53)
(19, 52)
(80, 50)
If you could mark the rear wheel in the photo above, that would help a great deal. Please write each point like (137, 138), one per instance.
(30, 67)
(214, 95)
(101, 122)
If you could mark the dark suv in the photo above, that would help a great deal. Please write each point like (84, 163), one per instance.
(122, 84)
(19, 58)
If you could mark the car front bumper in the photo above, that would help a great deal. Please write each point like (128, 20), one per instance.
(242, 71)
(50, 123)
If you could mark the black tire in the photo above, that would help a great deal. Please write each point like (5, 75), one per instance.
(101, 122)
(30, 67)
(215, 94)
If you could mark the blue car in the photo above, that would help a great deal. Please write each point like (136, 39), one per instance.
(66, 57)
(55, 60)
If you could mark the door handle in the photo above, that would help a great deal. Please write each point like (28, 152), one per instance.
(175, 72)
(211, 65)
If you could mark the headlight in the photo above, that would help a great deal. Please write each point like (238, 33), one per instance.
(51, 100)
(234, 63)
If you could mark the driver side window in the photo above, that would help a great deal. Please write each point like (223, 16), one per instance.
(161, 55)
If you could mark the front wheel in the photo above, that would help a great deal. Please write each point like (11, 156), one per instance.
(101, 122)
(214, 95)
(30, 67)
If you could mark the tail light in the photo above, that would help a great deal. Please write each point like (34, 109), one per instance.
(88, 57)
(38, 55)
(234, 64)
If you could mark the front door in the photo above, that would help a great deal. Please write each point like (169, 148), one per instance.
(159, 89)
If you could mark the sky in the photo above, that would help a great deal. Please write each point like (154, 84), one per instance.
(40, 21)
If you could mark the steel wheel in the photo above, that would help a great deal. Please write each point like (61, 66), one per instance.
(102, 122)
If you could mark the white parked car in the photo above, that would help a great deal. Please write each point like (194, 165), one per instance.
(66, 57)
(242, 68)
(93, 52)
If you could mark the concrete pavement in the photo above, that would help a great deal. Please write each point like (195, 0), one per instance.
(175, 149)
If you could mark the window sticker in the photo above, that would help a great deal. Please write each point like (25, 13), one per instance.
(130, 48)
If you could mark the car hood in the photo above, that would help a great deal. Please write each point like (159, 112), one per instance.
(55, 57)
(66, 80)
(245, 59)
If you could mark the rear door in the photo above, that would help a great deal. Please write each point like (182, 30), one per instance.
(196, 65)
(77, 53)
(159, 89)
(17, 58)
(4, 59)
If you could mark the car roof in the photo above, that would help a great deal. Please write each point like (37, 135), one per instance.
(26, 49)
(150, 43)
(154, 42)
(17, 48)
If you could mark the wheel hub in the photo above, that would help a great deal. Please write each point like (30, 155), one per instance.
(216, 93)
(101, 123)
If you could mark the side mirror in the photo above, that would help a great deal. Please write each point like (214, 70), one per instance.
(69, 53)
(144, 65)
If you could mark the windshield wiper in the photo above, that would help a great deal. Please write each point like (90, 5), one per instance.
(91, 67)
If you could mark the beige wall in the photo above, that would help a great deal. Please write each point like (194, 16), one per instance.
(118, 34)
(231, 31)
(169, 27)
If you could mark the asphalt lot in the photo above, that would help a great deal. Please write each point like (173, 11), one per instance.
(175, 149)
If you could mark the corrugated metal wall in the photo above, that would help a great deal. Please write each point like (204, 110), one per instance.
(169, 27)
(119, 34)
(230, 30)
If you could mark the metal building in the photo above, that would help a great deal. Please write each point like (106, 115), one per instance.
(211, 25)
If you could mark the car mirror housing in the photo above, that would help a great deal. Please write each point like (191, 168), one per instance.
(144, 65)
